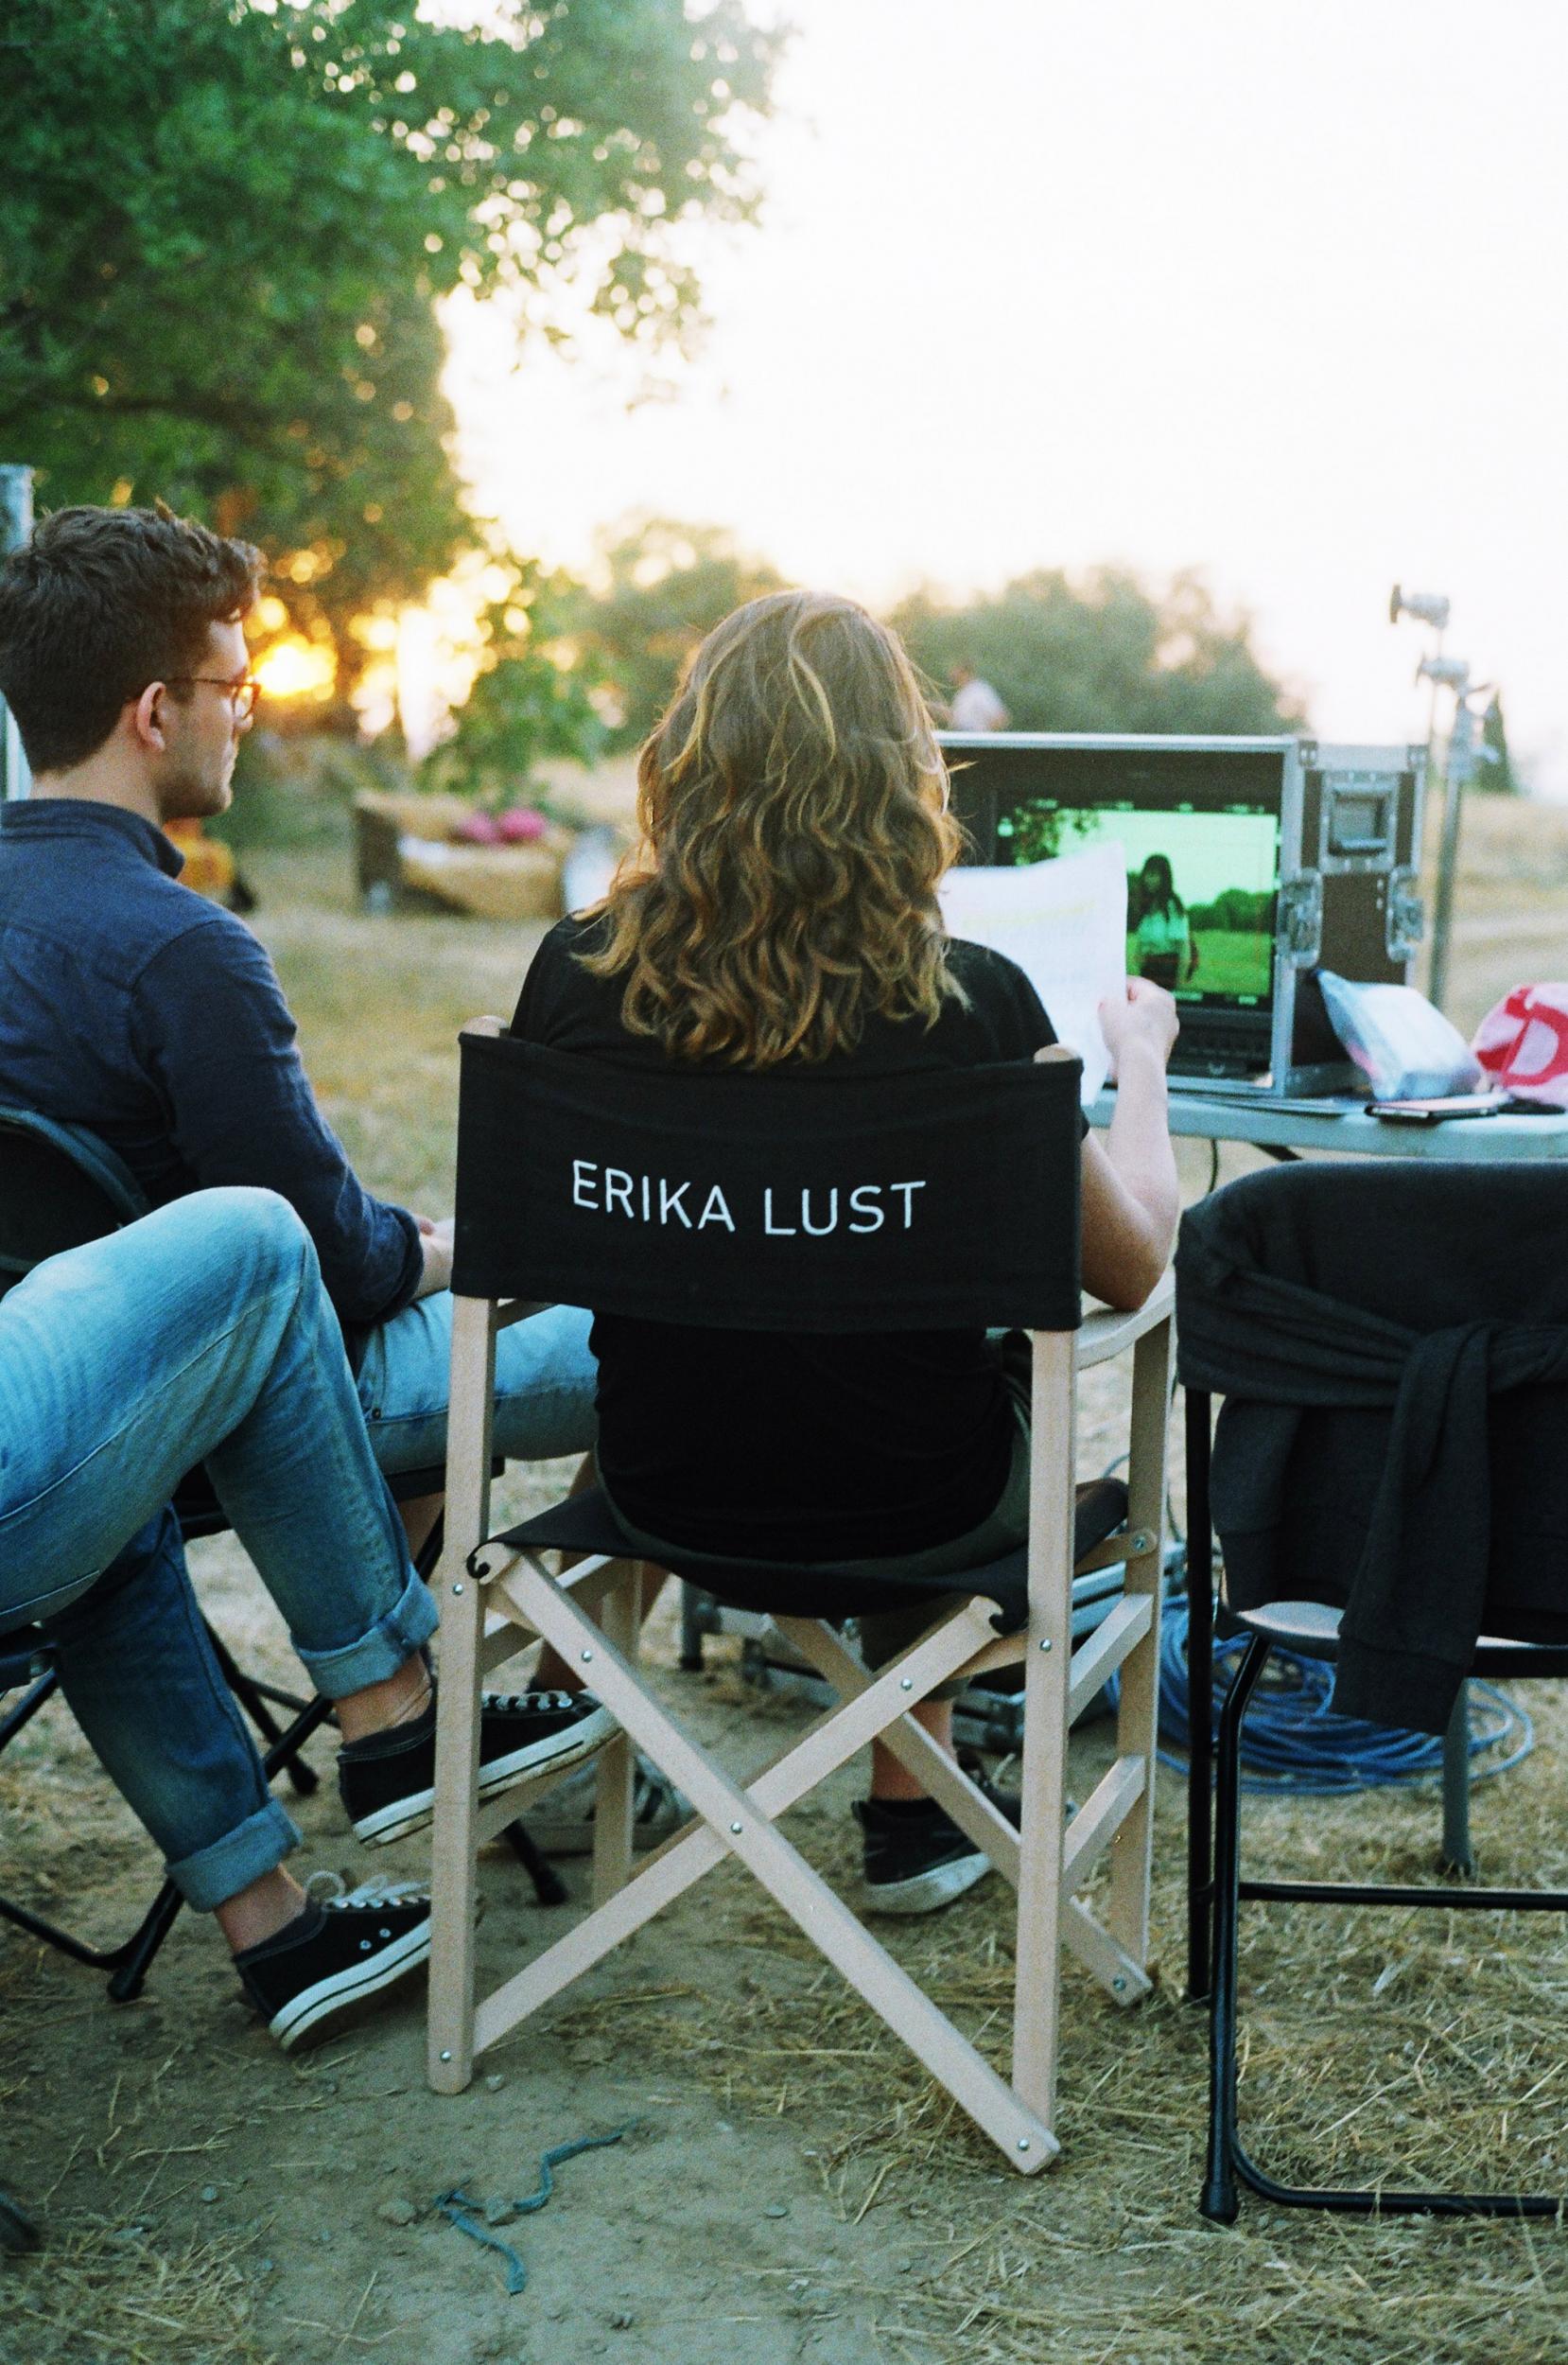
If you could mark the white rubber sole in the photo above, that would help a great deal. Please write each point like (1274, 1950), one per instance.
(405, 1817)
(313, 2005)
(928, 1892)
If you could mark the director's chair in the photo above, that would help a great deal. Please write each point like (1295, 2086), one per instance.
(552, 1202)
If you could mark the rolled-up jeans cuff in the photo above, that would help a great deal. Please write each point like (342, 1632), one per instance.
(378, 1653)
(214, 1874)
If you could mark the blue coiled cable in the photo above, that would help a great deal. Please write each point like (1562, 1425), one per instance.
(1292, 1740)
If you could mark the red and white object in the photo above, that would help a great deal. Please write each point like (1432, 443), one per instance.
(1522, 1043)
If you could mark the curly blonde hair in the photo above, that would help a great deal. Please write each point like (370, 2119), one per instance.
(794, 826)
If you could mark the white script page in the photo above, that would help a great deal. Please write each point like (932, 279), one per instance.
(1065, 923)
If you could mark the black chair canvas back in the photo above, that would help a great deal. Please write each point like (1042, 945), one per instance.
(1426, 1249)
(58, 1187)
(928, 1202)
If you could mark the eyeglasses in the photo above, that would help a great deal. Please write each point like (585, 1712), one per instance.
(242, 695)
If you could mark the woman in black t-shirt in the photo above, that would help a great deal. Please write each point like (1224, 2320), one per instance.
(781, 916)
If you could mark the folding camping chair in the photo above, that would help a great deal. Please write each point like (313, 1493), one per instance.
(559, 1167)
(1307, 1293)
(59, 1186)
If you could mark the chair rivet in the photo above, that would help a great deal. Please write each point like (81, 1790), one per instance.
(446, 2057)
(735, 1827)
(1119, 1986)
(1046, 1644)
(587, 1657)
(456, 1588)
(906, 1683)
(1023, 2143)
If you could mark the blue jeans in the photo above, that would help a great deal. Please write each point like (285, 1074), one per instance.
(200, 1333)
(544, 1383)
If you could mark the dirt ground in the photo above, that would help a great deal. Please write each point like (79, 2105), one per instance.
(788, 2186)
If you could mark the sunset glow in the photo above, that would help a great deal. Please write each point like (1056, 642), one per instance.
(1273, 294)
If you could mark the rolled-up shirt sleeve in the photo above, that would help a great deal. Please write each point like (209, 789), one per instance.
(219, 1040)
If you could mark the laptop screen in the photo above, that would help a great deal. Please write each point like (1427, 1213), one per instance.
(1200, 831)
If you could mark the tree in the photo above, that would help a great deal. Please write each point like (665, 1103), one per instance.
(224, 226)
(1104, 655)
(669, 584)
(531, 697)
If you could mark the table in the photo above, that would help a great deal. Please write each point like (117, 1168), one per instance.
(1295, 1126)
(1286, 1128)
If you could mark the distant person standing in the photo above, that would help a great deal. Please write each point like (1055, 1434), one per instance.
(1166, 953)
(975, 705)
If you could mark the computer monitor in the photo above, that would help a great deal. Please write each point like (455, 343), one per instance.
(1201, 825)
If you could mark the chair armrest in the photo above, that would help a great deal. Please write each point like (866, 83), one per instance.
(1109, 1333)
(487, 1025)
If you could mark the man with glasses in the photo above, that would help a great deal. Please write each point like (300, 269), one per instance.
(152, 1017)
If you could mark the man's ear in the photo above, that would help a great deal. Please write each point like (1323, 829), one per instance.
(147, 718)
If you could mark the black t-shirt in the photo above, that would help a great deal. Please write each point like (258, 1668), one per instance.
(797, 1447)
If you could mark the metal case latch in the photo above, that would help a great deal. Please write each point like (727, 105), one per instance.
(1407, 914)
(1301, 918)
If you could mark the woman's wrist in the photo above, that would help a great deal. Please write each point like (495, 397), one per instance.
(1141, 1064)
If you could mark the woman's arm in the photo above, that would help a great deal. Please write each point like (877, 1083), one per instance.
(1131, 1198)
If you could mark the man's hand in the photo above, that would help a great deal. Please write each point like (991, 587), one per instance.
(436, 1240)
(1145, 1021)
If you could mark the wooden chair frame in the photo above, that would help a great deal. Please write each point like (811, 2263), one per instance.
(494, 1600)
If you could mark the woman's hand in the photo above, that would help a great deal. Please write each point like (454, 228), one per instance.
(436, 1240)
(1144, 1020)
(1131, 1199)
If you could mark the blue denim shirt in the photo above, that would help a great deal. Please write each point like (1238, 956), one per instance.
(135, 1007)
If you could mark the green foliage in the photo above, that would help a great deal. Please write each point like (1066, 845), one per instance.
(224, 224)
(1105, 655)
(1040, 832)
(529, 700)
(1236, 911)
(295, 788)
(668, 585)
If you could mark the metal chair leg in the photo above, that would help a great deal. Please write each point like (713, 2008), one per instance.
(548, 1888)
(1220, 2200)
(1458, 1856)
(692, 1629)
(1200, 1693)
(254, 1698)
(136, 1958)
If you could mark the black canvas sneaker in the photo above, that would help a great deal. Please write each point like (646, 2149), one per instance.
(388, 1781)
(916, 1858)
(347, 1945)
(563, 1824)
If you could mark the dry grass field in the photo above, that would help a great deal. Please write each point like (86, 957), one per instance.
(792, 2189)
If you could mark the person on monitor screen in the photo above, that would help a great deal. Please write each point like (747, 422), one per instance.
(780, 917)
(1166, 954)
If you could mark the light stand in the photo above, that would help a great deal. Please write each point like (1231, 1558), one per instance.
(1445, 672)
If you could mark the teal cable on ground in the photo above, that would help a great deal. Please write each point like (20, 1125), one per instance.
(455, 2204)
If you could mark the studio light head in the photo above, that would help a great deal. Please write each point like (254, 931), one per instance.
(1449, 673)
(1428, 607)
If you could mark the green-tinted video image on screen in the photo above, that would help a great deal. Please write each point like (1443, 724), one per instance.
(1200, 888)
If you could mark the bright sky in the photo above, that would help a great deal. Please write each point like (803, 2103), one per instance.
(1273, 288)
